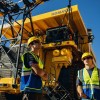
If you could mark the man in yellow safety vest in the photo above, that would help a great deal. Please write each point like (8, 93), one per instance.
(88, 82)
(32, 71)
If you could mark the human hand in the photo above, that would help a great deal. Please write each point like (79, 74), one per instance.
(82, 95)
(45, 76)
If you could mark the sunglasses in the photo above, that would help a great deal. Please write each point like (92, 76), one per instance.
(87, 58)
(34, 42)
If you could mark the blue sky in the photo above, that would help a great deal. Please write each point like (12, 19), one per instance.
(90, 12)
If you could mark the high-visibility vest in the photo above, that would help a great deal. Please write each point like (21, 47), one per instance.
(36, 58)
(90, 85)
(30, 82)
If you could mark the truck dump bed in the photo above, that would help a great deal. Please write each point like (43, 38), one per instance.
(49, 20)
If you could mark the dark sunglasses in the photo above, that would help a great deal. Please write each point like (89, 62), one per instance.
(34, 42)
(87, 58)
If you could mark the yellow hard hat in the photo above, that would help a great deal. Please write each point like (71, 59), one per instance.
(86, 54)
(31, 39)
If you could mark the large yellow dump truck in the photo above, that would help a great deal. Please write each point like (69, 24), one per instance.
(63, 42)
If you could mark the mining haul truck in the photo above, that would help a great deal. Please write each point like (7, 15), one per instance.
(64, 39)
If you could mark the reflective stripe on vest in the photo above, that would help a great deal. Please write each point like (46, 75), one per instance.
(89, 86)
(25, 73)
(33, 88)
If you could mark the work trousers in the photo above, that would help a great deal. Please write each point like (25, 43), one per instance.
(32, 96)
